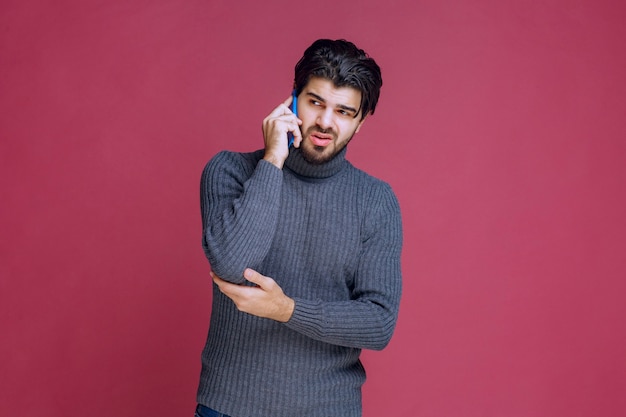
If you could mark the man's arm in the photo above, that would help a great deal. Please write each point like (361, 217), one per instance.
(264, 299)
(240, 200)
(368, 319)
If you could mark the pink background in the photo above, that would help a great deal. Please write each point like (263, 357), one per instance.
(501, 126)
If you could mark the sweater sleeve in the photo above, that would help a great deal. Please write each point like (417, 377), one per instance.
(368, 319)
(239, 200)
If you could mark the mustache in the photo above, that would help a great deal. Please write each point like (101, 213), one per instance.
(318, 129)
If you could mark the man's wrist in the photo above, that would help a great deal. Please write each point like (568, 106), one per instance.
(274, 160)
(287, 311)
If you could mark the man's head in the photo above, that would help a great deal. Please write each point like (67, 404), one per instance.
(337, 85)
(344, 65)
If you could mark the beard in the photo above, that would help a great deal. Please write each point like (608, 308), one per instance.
(318, 155)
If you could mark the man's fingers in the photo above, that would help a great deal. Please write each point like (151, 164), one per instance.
(297, 135)
(255, 278)
(217, 280)
(249, 274)
(281, 120)
(281, 109)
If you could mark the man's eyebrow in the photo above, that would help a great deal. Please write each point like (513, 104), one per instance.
(348, 108)
(341, 106)
(316, 97)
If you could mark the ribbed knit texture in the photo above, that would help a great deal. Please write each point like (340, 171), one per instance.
(331, 236)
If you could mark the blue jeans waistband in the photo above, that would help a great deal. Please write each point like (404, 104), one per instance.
(202, 411)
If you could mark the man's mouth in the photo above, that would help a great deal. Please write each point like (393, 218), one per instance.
(320, 139)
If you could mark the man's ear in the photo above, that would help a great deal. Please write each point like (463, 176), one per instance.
(360, 124)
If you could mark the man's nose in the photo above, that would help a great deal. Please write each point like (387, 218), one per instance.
(325, 119)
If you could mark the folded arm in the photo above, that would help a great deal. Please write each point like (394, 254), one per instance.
(240, 199)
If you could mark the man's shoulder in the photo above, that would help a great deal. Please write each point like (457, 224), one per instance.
(374, 193)
(232, 164)
(369, 181)
(226, 156)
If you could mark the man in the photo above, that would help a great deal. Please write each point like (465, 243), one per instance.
(304, 250)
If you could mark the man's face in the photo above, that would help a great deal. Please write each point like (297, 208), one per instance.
(329, 118)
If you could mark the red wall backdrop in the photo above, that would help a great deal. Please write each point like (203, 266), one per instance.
(501, 127)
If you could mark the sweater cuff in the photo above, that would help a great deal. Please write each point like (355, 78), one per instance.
(266, 174)
(306, 316)
(267, 170)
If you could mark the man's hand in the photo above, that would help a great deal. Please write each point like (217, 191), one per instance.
(275, 127)
(266, 299)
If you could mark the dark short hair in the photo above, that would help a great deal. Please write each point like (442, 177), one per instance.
(345, 65)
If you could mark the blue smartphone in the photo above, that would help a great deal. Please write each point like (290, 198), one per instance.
(294, 109)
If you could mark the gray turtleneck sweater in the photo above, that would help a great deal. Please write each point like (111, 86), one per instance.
(330, 235)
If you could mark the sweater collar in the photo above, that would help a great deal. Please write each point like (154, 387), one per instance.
(296, 163)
